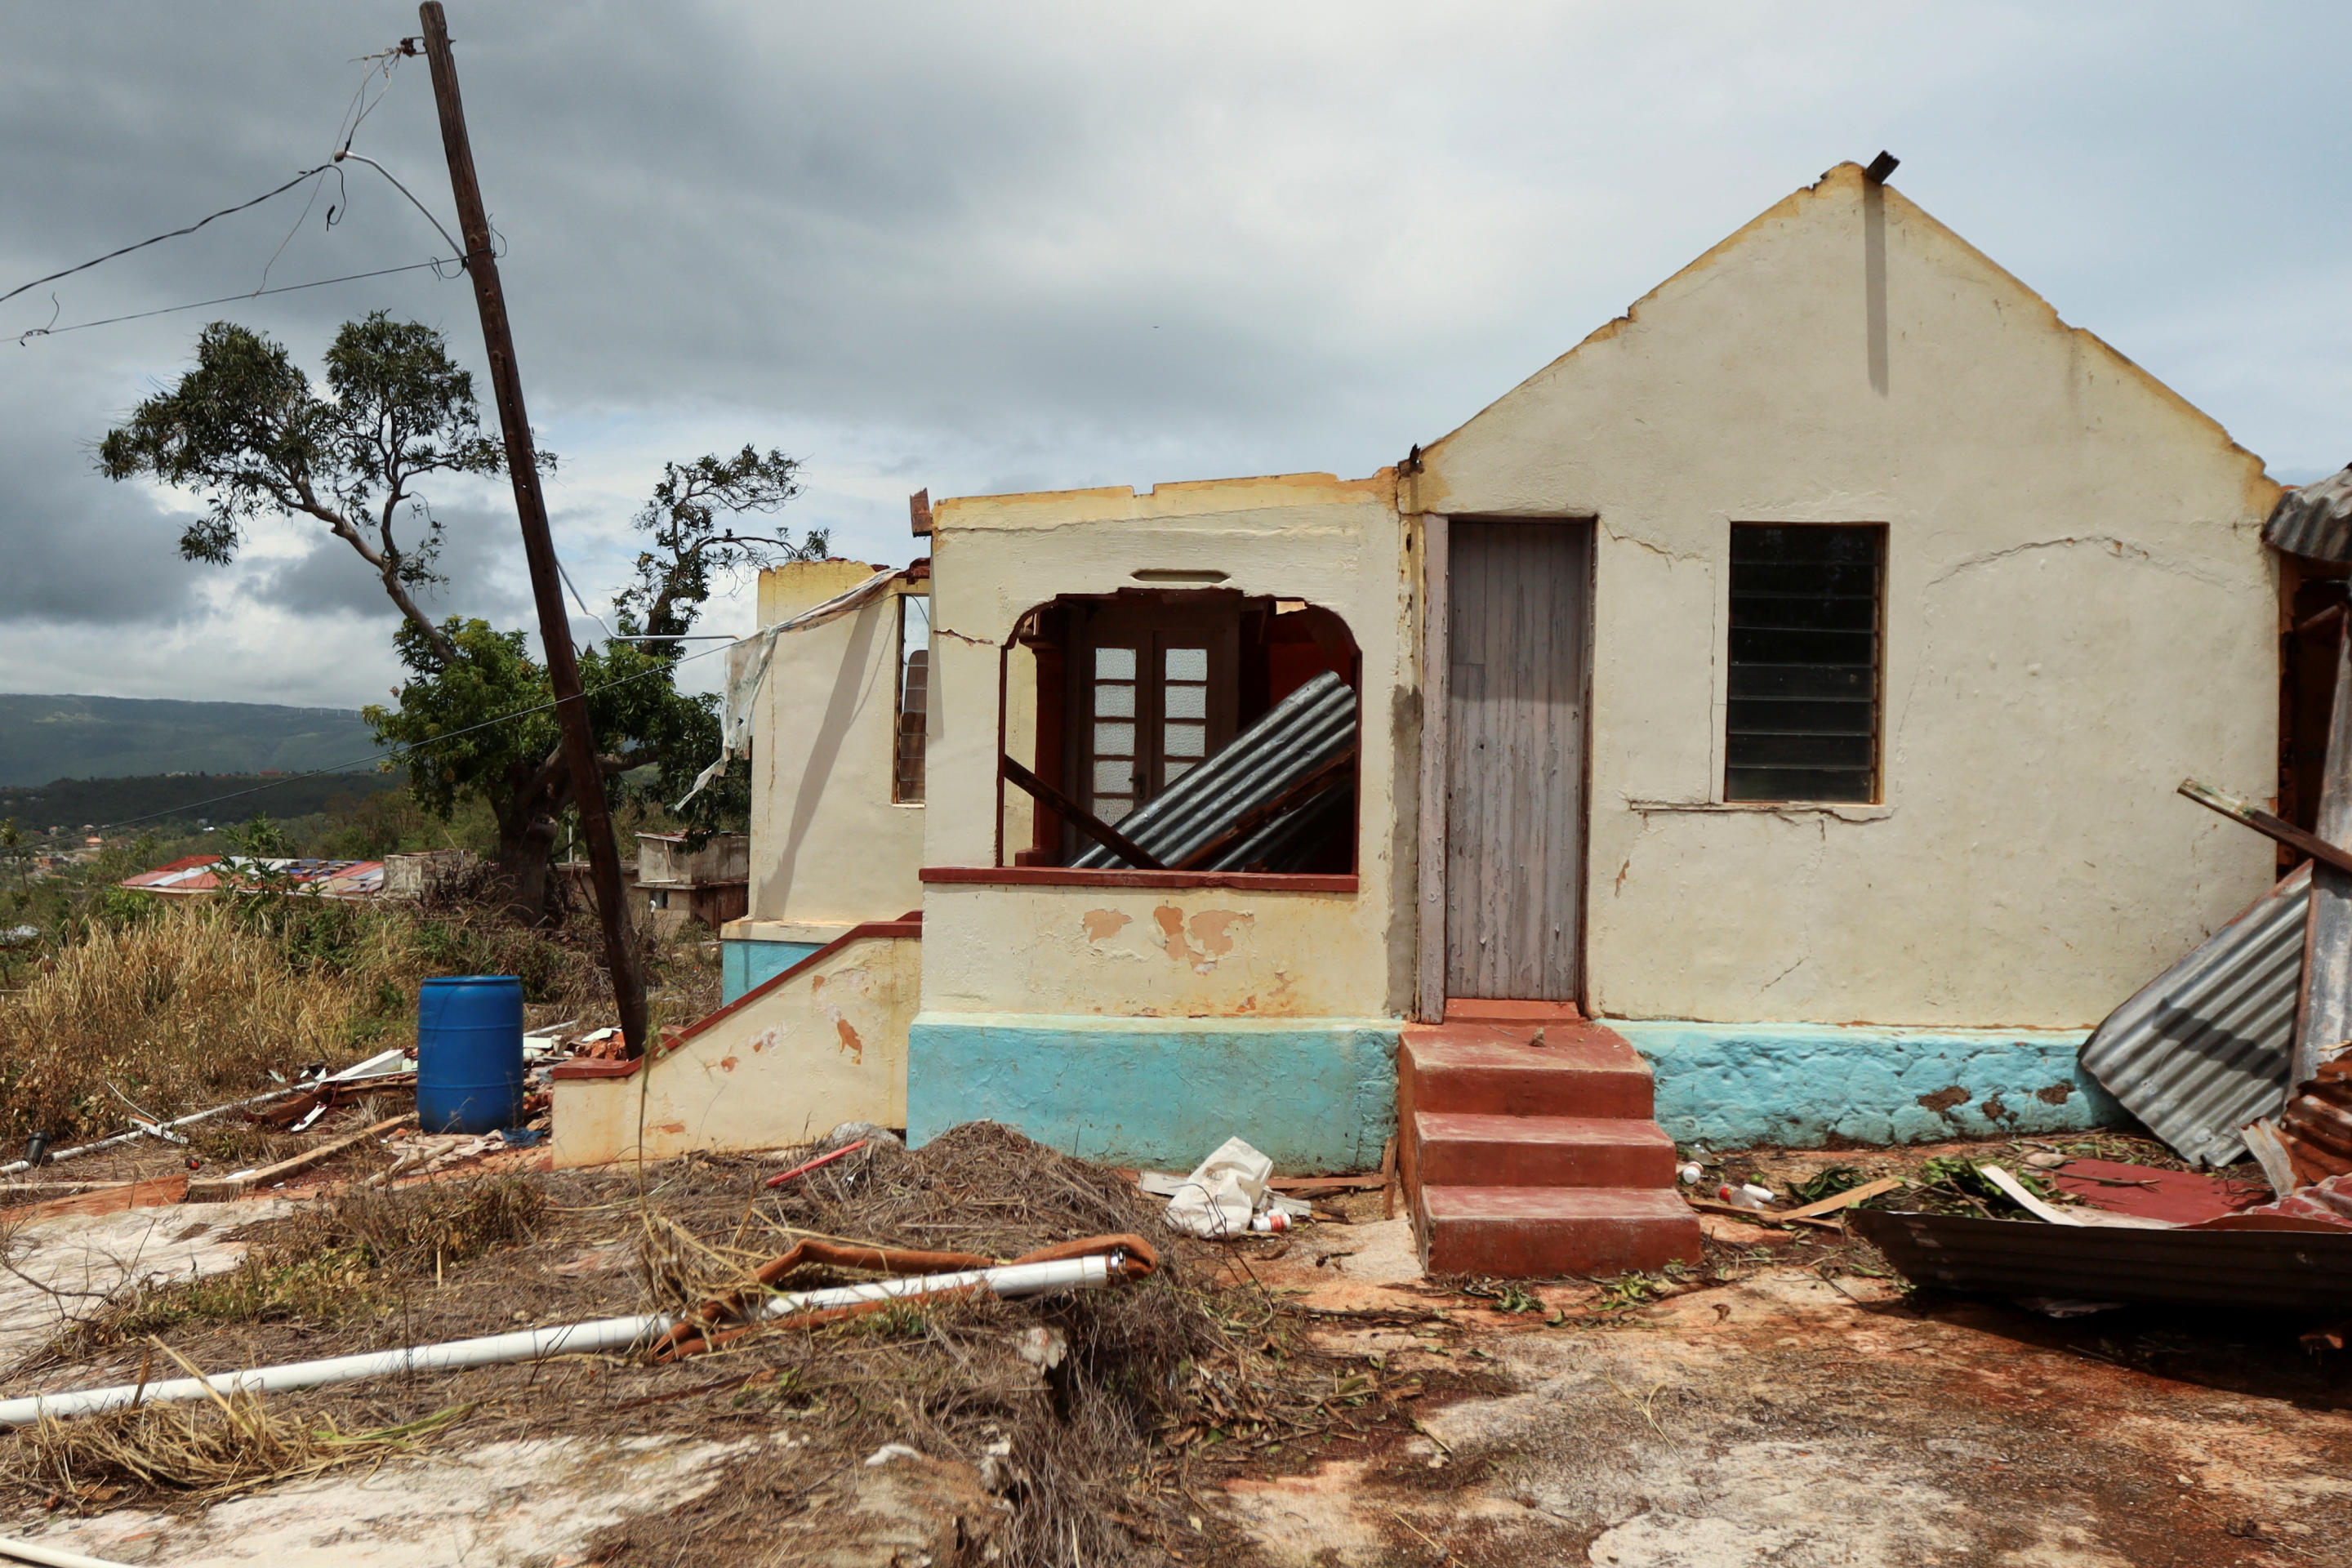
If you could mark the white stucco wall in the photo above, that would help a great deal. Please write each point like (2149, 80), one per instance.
(2078, 613)
(1309, 536)
(828, 847)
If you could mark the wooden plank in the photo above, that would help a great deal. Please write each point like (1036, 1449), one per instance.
(1846, 1199)
(220, 1189)
(2263, 822)
(1434, 557)
(112, 1198)
(1079, 817)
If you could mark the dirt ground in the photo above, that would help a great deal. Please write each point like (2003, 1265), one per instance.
(1790, 1406)
(1811, 1414)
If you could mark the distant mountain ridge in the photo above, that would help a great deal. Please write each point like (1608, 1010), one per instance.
(45, 738)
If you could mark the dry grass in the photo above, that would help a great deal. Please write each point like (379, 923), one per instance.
(204, 1451)
(326, 1266)
(176, 1014)
(183, 1006)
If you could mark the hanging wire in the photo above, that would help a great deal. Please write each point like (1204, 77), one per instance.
(436, 264)
(174, 234)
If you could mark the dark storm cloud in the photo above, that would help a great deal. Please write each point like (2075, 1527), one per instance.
(1061, 244)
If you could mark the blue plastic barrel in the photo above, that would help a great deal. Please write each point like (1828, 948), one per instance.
(469, 1053)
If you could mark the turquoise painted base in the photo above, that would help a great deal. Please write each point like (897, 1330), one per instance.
(1314, 1095)
(1800, 1086)
(746, 966)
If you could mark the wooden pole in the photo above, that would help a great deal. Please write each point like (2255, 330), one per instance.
(547, 588)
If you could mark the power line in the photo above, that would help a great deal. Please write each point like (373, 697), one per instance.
(437, 263)
(175, 234)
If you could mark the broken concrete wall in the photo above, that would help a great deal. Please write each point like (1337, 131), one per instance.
(815, 1047)
(830, 847)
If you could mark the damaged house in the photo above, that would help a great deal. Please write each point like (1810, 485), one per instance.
(1757, 726)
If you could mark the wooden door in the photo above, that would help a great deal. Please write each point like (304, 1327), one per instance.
(1517, 648)
(1156, 686)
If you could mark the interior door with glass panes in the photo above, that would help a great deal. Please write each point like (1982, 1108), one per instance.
(1158, 689)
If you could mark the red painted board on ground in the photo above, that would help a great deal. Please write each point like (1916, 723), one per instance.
(2184, 1197)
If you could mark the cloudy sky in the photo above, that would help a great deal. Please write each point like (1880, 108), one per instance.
(1015, 246)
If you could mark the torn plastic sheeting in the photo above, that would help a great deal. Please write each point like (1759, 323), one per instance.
(746, 667)
(601, 1336)
(1228, 1192)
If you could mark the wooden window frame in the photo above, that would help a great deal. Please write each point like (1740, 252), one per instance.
(1876, 794)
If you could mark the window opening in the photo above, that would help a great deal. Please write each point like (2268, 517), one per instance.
(914, 698)
(1140, 689)
(1802, 715)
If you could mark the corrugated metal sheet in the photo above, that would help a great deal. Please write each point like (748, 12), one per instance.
(2295, 1269)
(1299, 734)
(2317, 1126)
(2316, 521)
(211, 873)
(2204, 1047)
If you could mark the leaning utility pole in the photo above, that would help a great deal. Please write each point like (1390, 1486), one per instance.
(522, 463)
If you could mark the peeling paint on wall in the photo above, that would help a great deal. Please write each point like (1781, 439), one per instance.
(1103, 924)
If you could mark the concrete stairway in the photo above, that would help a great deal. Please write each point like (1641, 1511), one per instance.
(1526, 1147)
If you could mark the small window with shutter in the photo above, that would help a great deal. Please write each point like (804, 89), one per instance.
(1803, 722)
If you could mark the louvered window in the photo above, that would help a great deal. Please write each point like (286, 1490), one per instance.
(1805, 655)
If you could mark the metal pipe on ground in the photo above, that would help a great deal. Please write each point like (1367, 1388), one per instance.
(607, 1334)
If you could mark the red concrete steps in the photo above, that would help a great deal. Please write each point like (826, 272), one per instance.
(1527, 1149)
(1528, 1232)
(1455, 1147)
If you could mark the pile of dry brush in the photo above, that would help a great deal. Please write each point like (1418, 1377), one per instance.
(1103, 1451)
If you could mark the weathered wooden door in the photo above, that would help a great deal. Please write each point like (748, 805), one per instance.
(1516, 647)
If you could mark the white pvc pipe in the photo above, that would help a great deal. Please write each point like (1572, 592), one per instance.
(56, 1155)
(52, 1556)
(1013, 1279)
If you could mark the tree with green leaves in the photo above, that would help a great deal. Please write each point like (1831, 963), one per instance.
(248, 433)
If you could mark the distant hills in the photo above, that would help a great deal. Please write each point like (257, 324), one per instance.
(45, 739)
(180, 802)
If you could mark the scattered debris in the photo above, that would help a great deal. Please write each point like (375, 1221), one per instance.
(1230, 1194)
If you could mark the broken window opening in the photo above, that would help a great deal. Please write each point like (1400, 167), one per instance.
(914, 698)
(1252, 698)
(1803, 720)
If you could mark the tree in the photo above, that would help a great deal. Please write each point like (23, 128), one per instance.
(246, 431)
(686, 544)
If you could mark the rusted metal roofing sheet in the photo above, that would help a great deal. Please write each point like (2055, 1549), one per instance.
(2205, 1046)
(211, 873)
(2299, 1270)
(2317, 1126)
(2316, 521)
(1300, 733)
